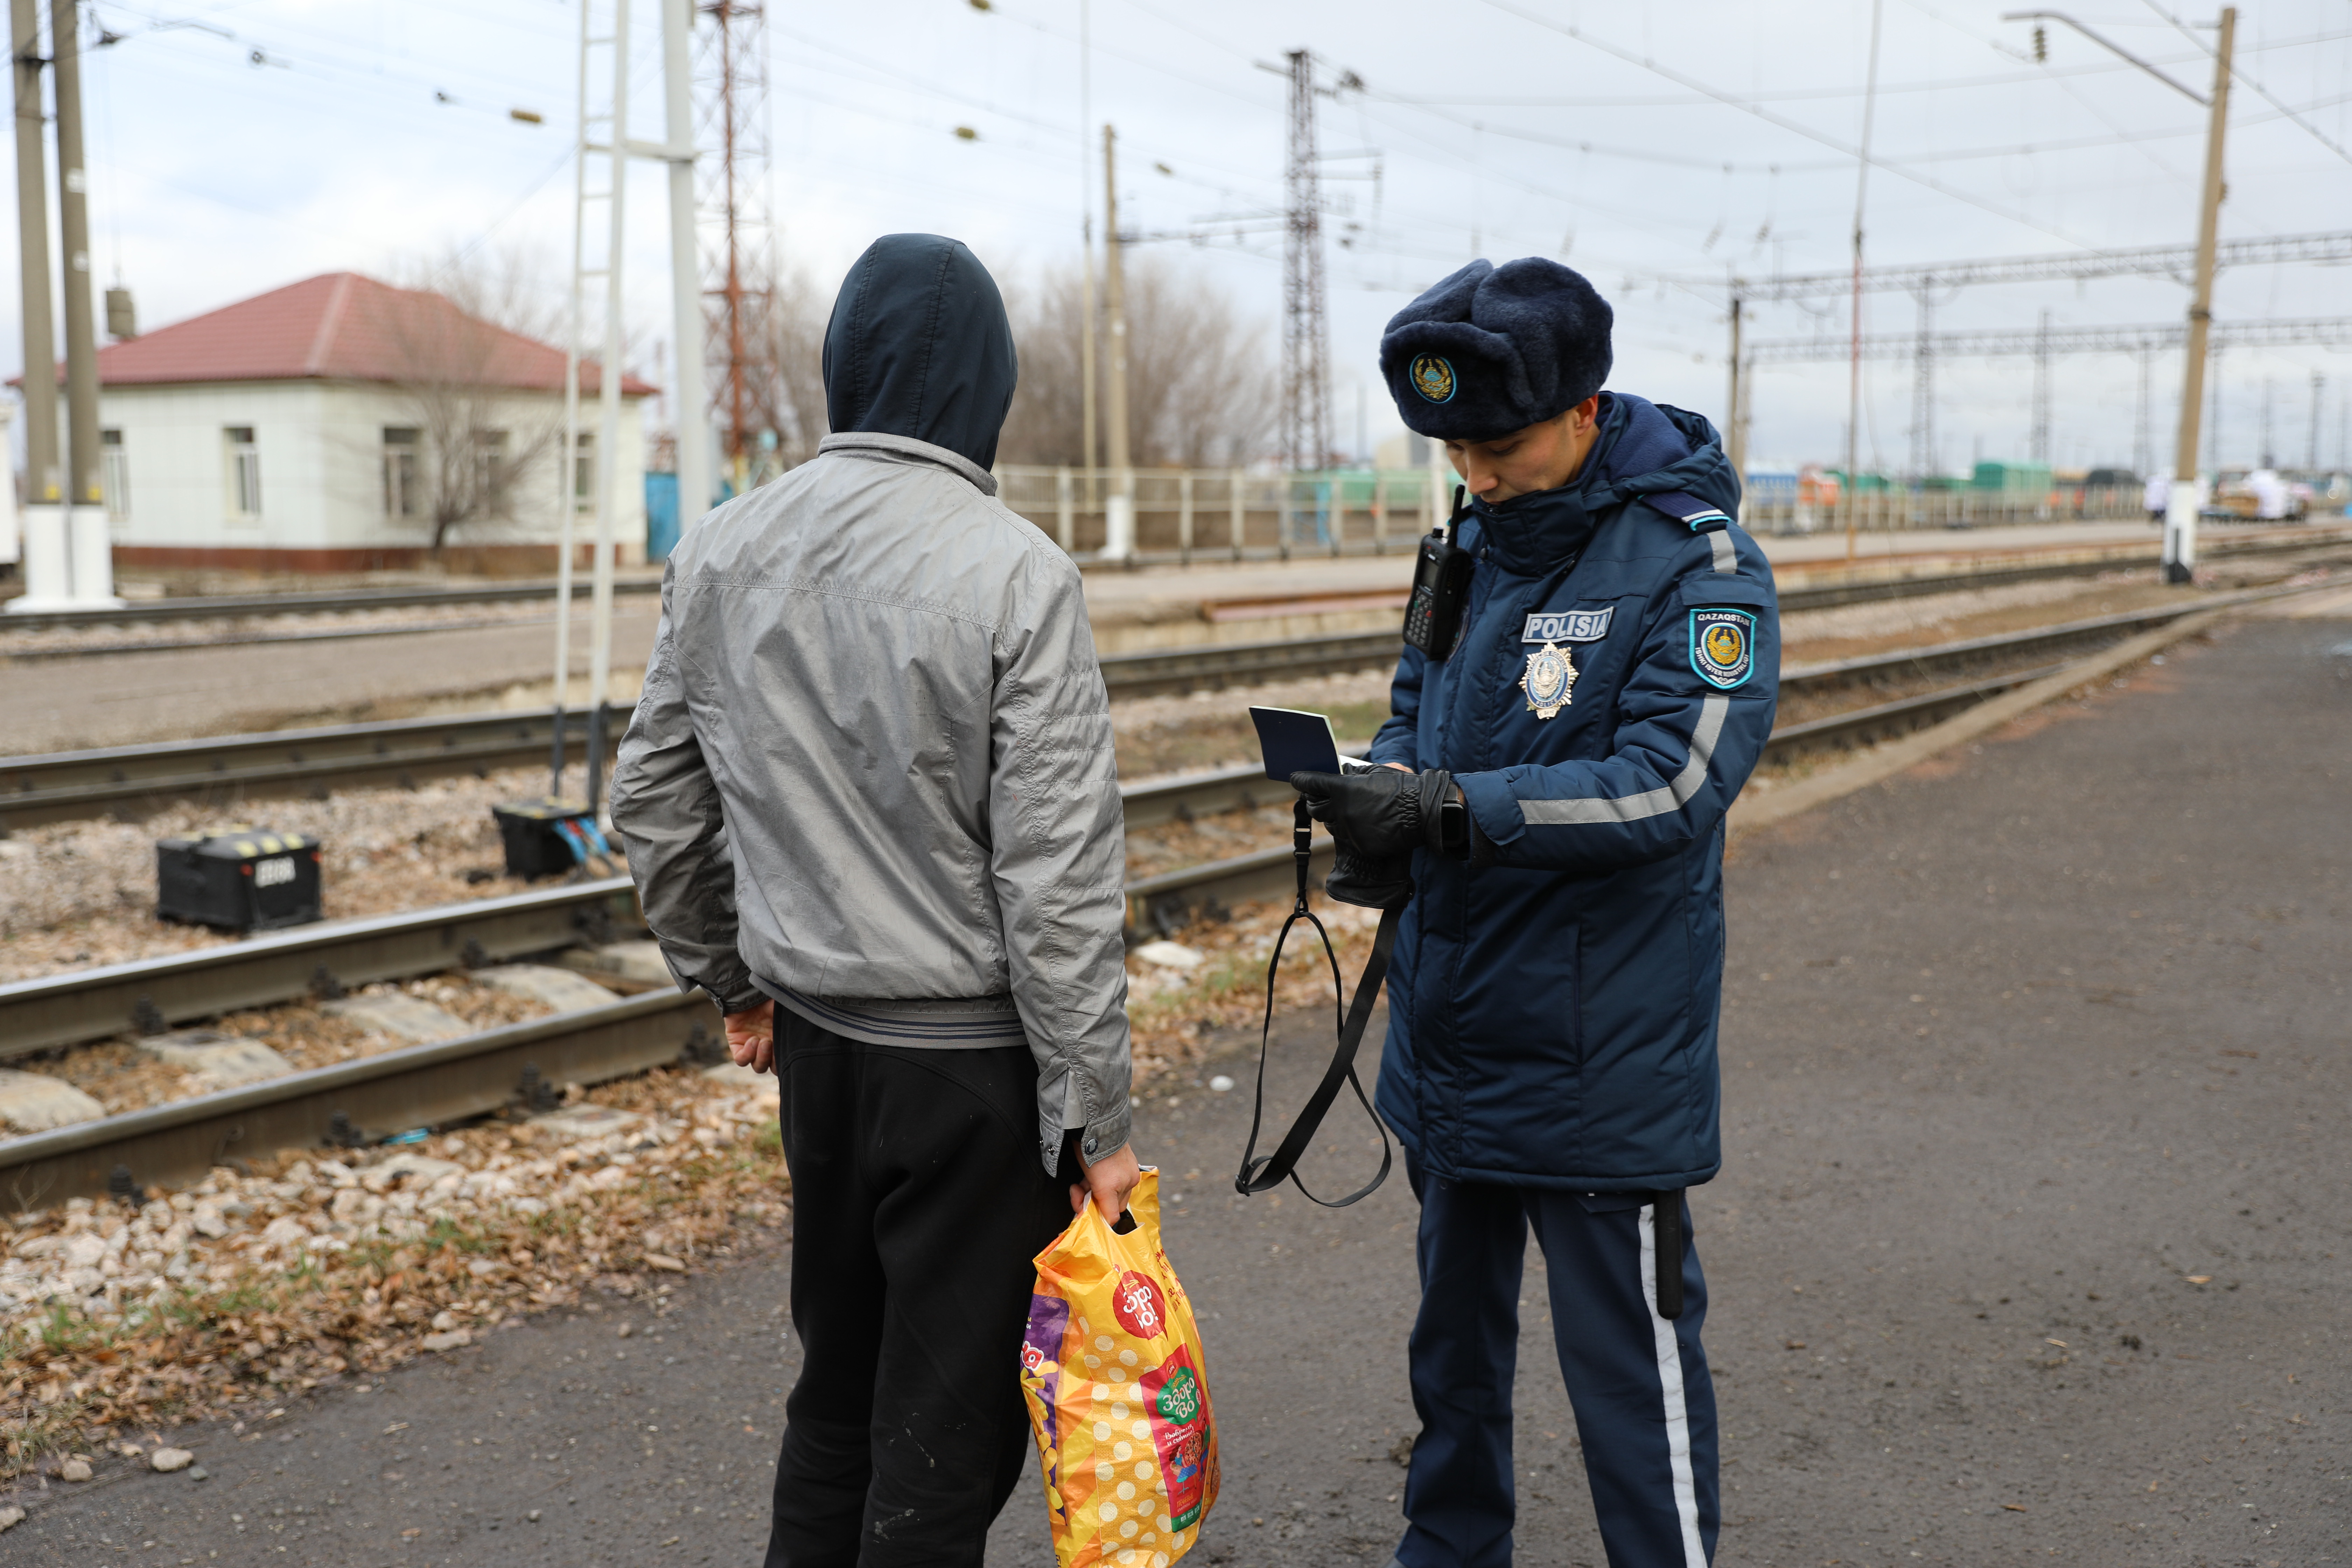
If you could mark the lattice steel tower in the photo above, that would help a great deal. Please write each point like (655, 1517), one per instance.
(1923, 388)
(737, 237)
(1306, 337)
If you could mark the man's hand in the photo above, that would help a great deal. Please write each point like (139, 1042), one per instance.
(752, 1037)
(1108, 1180)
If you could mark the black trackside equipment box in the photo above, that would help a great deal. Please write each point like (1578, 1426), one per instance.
(240, 878)
(535, 842)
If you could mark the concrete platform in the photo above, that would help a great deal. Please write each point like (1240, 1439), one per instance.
(2029, 1245)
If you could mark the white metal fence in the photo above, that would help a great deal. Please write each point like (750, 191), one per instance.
(1190, 514)
(1879, 511)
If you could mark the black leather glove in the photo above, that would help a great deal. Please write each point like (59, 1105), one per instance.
(1380, 813)
(1377, 820)
(1373, 884)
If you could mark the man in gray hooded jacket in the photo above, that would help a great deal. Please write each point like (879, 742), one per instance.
(871, 807)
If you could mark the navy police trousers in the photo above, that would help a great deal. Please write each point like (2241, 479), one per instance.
(1644, 1403)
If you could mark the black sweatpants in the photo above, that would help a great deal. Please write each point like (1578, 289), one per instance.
(918, 1203)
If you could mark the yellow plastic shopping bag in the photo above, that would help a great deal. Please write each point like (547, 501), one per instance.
(1117, 1394)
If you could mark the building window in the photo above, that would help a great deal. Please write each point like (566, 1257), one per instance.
(244, 472)
(114, 475)
(400, 481)
(490, 471)
(583, 472)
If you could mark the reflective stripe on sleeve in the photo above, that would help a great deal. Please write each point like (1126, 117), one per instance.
(1726, 554)
(1649, 803)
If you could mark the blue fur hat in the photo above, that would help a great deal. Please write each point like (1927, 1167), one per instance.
(1493, 348)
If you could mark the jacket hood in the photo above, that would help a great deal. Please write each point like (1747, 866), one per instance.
(1643, 448)
(919, 346)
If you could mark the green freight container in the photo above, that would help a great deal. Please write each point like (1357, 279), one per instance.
(2012, 478)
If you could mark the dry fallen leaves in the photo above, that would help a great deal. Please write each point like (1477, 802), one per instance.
(302, 1270)
(1173, 1012)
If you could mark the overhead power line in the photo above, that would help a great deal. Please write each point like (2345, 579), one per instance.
(2326, 331)
(1747, 106)
(2154, 261)
(2266, 95)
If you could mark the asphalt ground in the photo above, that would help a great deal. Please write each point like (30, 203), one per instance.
(2029, 1245)
(126, 698)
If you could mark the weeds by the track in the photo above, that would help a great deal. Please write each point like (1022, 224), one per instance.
(308, 1271)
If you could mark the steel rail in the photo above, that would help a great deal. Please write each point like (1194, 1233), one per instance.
(452, 1080)
(430, 1085)
(225, 768)
(251, 639)
(234, 768)
(419, 1086)
(330, 600)
(153, 993)
(1161, 901)
(347, 601)
(147, 995)
(1952, 657)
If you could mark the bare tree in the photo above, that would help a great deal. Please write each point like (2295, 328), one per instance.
(798, 313)
(1201, 385)
(469, 358)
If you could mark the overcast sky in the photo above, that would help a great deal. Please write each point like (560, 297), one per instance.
(372, 135)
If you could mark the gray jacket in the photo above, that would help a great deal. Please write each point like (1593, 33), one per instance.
(872, 767)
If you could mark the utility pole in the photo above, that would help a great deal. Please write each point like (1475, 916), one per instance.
(2143, 445)
(89, 539)
(2311, 452)
(2268, 450)
(2038, 442)
(608, 422)
(2188, 497)
(2213, 417)
(690, 398)
(1305, 340)
(1118, 513)
(1092, 460)
(1735, 434)
(1852, 497)
(48, 575)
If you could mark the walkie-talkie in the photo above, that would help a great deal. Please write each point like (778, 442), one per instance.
(1440, 585)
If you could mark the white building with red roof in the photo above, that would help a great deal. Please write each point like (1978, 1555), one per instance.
(341, 424)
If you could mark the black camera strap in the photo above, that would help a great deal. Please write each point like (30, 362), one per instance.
(1259, 1174)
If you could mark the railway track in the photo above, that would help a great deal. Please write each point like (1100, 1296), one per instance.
(235, 768)
(425, 1085)
(361, 1100)
(66, 785)
(1856, 590)
(148, 995)
(232, 606)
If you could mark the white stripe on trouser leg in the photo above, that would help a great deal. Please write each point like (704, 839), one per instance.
(1670, 1378)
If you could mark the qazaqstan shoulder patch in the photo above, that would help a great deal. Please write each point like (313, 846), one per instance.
(1723, 646)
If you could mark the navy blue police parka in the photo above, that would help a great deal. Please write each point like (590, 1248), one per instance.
(1552, 1015)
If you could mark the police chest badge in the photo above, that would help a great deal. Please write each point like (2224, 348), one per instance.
(1548, 681)
(1722, 646)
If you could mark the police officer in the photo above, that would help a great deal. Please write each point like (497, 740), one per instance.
(1555, 793)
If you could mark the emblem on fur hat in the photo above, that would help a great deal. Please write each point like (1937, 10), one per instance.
(1433, 378)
